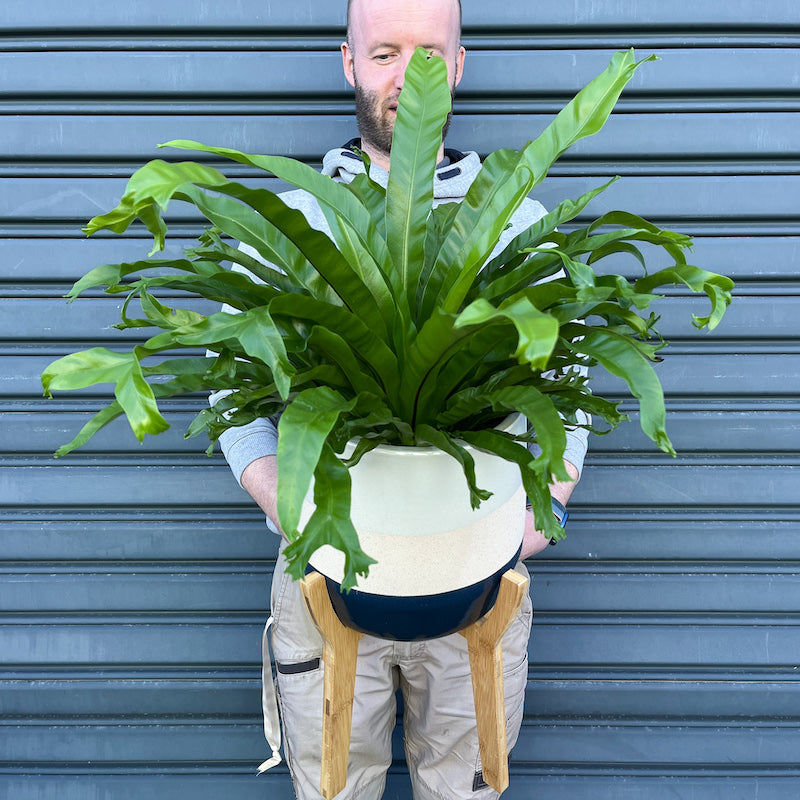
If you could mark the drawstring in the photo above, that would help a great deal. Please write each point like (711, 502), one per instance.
(269, 704)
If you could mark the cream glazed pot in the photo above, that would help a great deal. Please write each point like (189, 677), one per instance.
(439, 561)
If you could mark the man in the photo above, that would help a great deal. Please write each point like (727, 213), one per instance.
(439, 724)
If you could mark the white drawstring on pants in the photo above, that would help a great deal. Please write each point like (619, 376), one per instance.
(269, 704)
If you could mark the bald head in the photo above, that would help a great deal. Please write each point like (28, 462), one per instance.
(353, 4)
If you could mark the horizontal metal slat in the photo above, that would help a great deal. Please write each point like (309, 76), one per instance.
(695, 199)
(695, 640)
(752, 138)
(135, 588)
(612, 782)
(205, 740)
(154, 487)
(64, 260)
(586, 743)
(46, 431)
(216, 535)
(258, 74)
(632, 641)
(684, 535)
(26, 378)
(550, 783)
(712, 485)
(695, 374)
(600, 588)
(718, 430)
(155, 640)
(604, 697)
(649, 12)
(663, 745)
(161, 15)
(594, 534)
(761, 534)
(117, 695)
(652, 588)
(718, 375)
(680, 71)
(157, 782)
(671, 486)
(591, 695)
(45, 319)
(688, 200)
(42, 319)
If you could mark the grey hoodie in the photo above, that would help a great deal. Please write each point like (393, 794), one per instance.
(243, 445)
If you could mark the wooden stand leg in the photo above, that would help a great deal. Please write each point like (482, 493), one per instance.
(486, 664)
(339, 654)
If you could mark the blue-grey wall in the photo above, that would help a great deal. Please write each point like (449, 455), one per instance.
(134, 579)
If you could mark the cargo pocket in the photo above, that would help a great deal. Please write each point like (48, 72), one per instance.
(300, 687)
(297, 651)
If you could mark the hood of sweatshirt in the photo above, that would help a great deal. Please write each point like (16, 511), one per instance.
(453, 176)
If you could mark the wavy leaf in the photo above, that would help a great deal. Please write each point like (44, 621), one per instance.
(540, 412)
(622, 357)
(111, 275)
(537, 331)
(100, 365)
(329, 523)
(148, 193)
(96, 423)
(219, 251)
(302, 432)
(255, 330)
(445, 442)
(717, 287)
(535, 484)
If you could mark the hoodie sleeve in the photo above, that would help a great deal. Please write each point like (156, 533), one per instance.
(247, 443)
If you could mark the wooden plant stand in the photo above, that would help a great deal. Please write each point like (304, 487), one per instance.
(486, 665)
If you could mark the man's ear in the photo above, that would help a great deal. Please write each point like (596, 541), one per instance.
(347, 63)
(462, 53)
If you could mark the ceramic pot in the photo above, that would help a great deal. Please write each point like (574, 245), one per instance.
(439, 561)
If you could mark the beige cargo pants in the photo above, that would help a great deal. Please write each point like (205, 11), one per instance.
(441, 741)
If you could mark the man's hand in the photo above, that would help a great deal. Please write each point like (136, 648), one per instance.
(534, 541)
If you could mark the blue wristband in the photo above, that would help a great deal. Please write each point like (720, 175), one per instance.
(559, 509)
(560, 512)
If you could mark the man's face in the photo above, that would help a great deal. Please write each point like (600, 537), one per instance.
(383, 36)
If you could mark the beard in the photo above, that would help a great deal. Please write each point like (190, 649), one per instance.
(376, 121)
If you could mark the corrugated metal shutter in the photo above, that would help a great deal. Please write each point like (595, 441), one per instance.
(134, 580)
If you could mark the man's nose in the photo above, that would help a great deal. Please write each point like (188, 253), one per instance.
(400, 75)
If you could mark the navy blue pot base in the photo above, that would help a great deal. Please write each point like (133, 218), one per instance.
(407, 619)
